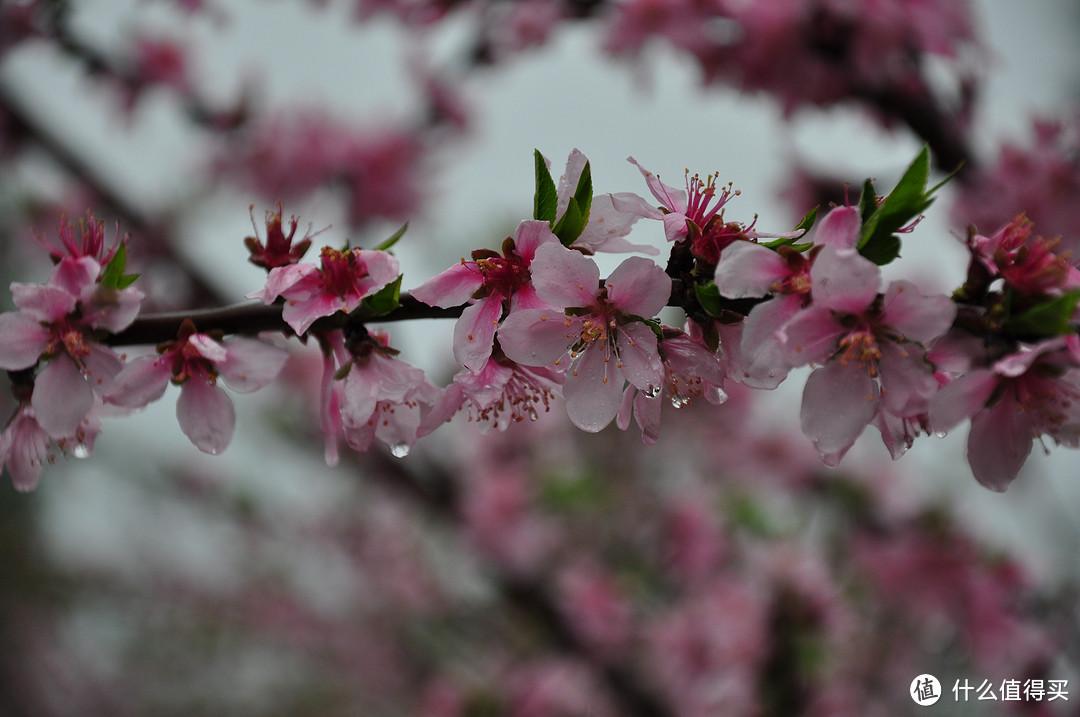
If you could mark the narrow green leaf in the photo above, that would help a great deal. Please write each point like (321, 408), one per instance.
(126, 280)
(708, 295)
(882, 250)
(571, 224)
(545, 201)
(113, 275)
(805, 225)
(1051, 318)
(386, 299)
(904, 204)
(393, 238)
(583, 193)
(867, 201)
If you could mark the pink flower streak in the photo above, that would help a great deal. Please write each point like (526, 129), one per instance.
(600, 326)
(873, 349)
(1025, 395)
(56, 323)
(339, 284)
(493, 283)
(195, 361)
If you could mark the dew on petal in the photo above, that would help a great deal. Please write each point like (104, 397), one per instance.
(399, 450)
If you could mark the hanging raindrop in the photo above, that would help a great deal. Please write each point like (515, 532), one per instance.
(399, 450)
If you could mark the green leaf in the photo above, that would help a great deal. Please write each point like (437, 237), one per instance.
(571, 224)
(113, 275)
(708, 295)
(385, 300)
(805, 225)
(545, 201)
(393, 238)
(1051, 318)
(583, 193)
(904, 204)
(867, 201)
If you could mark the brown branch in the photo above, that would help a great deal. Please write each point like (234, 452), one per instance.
(254, 318)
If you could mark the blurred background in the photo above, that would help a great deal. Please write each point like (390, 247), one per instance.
(540, 571)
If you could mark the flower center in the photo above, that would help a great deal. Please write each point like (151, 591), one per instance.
(861, 347)
(341, 269)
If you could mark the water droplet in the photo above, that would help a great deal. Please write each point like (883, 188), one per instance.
(940, 434)
(533, 415)
(654, 391)
(399, 450)
(80, 450)
(677, 402)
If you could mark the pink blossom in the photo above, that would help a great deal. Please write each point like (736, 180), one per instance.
(91, 242)
(279, 249)
(382, 397)
(499, 394)
(595, 607)
(26, 447)
(691, 370)
(749, 270)
(195, 361)
(607, 226)
(57, 322)
(873, 349)
(1031, 265)
(339, 284)
(1025, 395)
(595, 324)
(495, 284)
(679, 208)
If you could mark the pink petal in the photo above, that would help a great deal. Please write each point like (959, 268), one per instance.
(564, 277)
(281, 279)
(382, 268)
(526, 298)
(841, 228)
(1019, 362)
(100, 367)
(300, 314)
(113, 310)
(61, 397)
(647, 414)
(671, 198)
(747, 270)
(634, 206)
(638, 358)
(568, 182)
(593, 390)
(75, 276)
(999, 443)
(531, 235)
(443, 410)
(250, 364)
(43, 302)
(762, 352)
(917, 317)
(206, 415)
(474, 332)
(626, 408)
(962, 399)
(838, 403)
(675, 226)
(452, 287)
(211, 350)
(810, 336)
(907, 379)
(22, 339)
(143, 380)
(24, 449)
(638, 287)
(536, 337)
(844, 280)
(606, 228)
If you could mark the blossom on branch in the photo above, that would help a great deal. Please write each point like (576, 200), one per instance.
(494, 284)
(602, 327)
(195, 362)
(339, 284)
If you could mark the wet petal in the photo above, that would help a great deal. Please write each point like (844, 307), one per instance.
(206, 415)
(638, 287)
(250, 364)
(747, 270)
(536, 337)
(22, 339)
(917, 317)
(844, 280)
(61, 397)
(452, 287)
(838, 403)
(564, 277)
(638, 357)
(474, 332)
(593, 390)
(141, 381)
(999, 443)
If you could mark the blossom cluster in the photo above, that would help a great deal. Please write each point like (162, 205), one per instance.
(536, 321)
